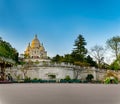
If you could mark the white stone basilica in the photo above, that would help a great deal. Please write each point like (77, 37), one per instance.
(35, 50)
(44, 68)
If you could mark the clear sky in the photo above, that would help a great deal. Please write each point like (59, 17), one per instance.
(58, 22)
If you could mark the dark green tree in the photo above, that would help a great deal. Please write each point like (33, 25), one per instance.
(79, 51)
(115, 65)
(8, 56)
(90, 61)
(7, 51)
(68, 58)
(57, 58)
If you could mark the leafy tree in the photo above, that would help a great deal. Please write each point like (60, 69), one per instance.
(68, 58)
(115, 65)
(90, 61)
(57, 58)
(67, 78)
(79, 51)
(114, 44)
(8, 56)
(7, 51)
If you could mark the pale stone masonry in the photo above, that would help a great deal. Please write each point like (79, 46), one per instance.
(35, 50)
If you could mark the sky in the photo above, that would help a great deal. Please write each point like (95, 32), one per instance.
(58, 23)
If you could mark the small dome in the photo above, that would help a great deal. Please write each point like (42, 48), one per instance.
(41, 48)
(28, 47)
(35, 42)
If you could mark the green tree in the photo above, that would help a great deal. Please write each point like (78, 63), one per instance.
(57, 58)
(8, 56)
(68, 58)
(79, 51)
(7, 51)
(115, 65)
(90, 61)
(114, 44)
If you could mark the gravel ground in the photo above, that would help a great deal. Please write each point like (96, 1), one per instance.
(59, 94)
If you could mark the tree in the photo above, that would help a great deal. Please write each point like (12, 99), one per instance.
(90, 61)
(98, 53)
(114, 44)
(79, 51)
(115, 65)
(57, 58)
(8, 56)
(68, 58)
(7, 51)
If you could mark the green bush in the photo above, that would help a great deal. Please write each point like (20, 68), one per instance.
(35, 80)
(110, 80)
(76, 81)
(51, 81)
(67, 78)
(70, 81)
(27, 80)
(63, 81)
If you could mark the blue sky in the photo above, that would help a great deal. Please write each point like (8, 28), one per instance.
(58, 22)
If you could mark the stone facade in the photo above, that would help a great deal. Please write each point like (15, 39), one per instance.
(60, 71)
(35, 50)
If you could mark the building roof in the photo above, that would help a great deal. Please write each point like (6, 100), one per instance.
(35, 42)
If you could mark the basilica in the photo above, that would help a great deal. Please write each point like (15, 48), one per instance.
(39, 66)
(35, 50)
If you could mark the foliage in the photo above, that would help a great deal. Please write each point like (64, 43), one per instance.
(7, 51)
(114, 44)
(57, 58)
(82, 64)
(70, 81)
(27, 79)
(115, 65)
(78, 55)
(90, 61)
(111, 77)
(110, 80)
(35, 78)
(67, 78)
(68, 58)
(79, 51)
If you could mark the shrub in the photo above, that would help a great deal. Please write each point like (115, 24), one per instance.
(67, 78)
(27, 79)
(111, 80)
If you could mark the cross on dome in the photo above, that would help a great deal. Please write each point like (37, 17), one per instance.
(35, 36)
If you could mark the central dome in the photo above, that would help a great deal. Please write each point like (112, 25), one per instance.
(35, 42)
